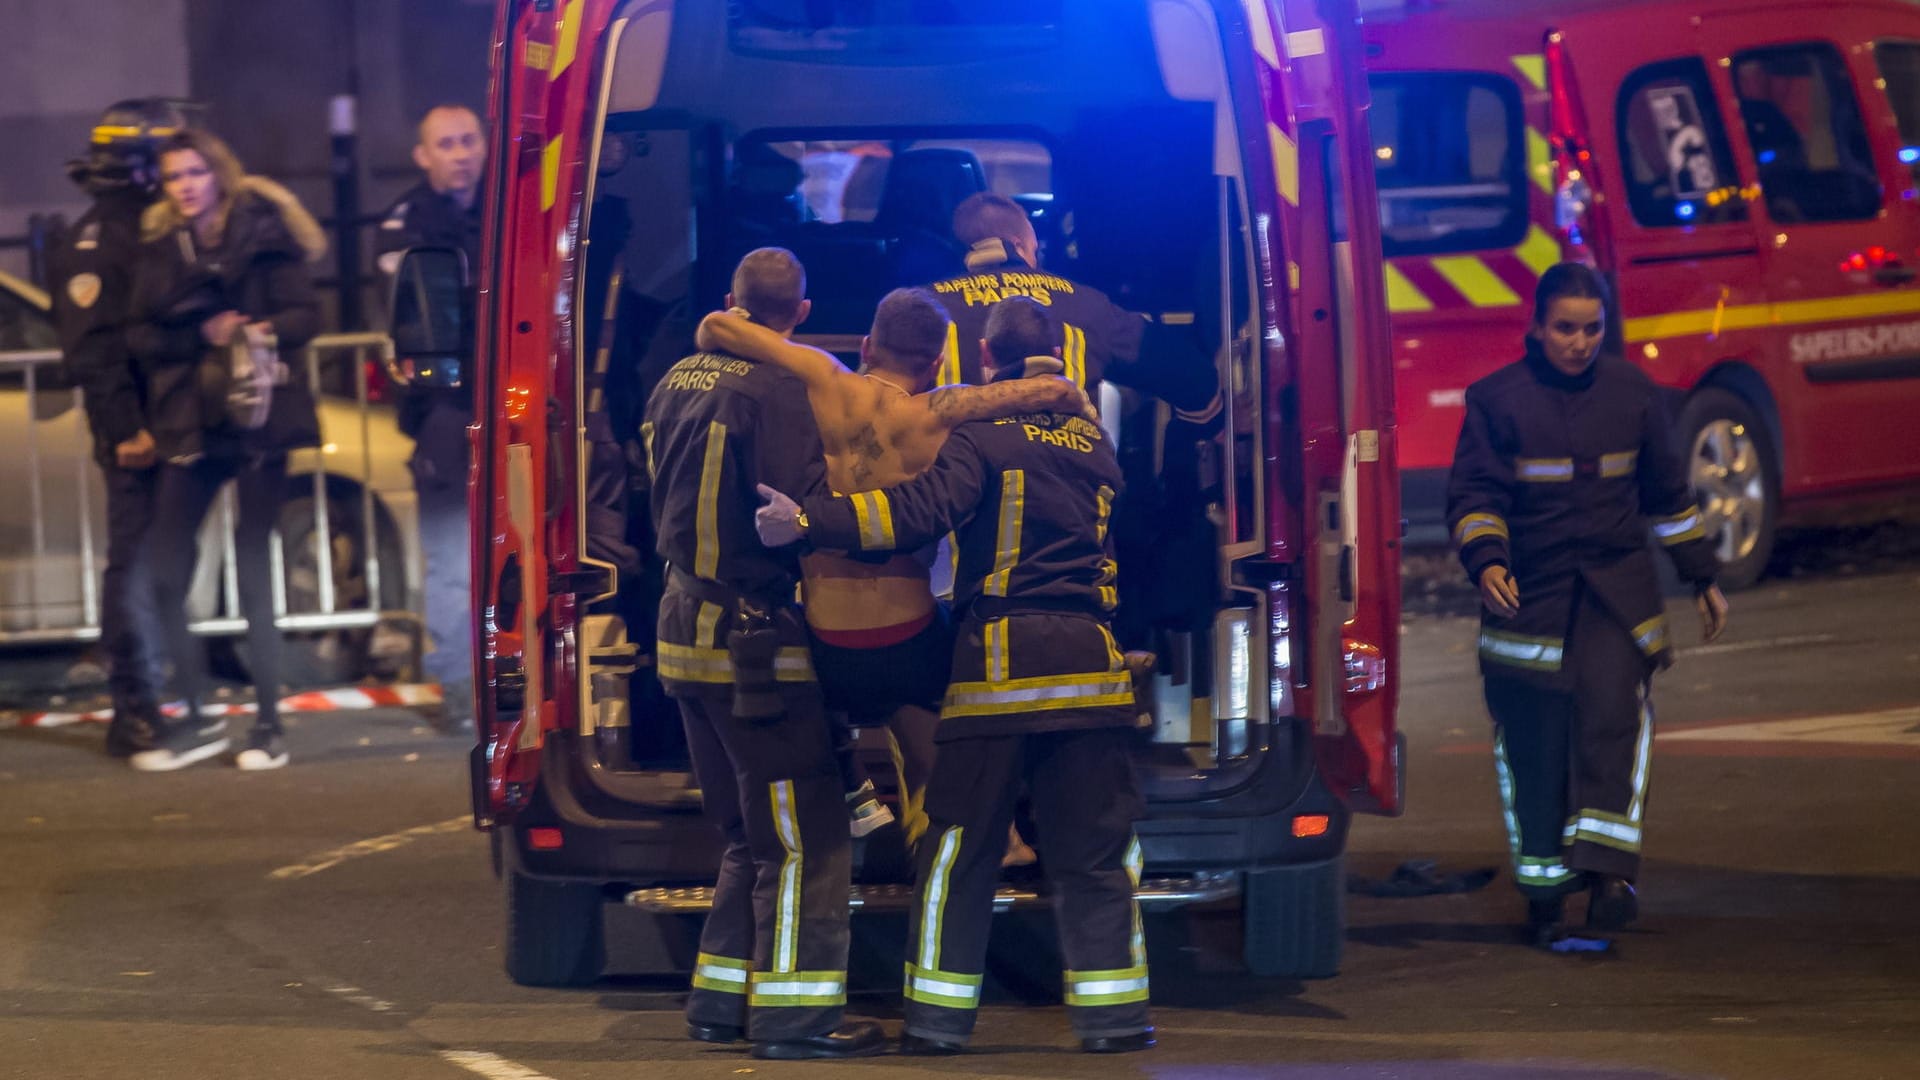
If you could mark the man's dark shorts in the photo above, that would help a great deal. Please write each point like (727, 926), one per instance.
(871, 684)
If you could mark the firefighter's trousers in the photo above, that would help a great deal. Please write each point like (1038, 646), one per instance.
(1572, 762)
(1085, 803)
(773, 955)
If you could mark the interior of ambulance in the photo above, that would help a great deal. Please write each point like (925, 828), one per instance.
(848, 132)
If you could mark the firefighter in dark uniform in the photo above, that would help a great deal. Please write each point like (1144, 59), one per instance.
(1564, 458)
(1040, 695)
(733, 652)
(91, 276)
(436, 407)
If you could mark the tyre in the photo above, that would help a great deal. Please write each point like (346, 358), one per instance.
(1295, 920)
(554, 931)
(1735, 480)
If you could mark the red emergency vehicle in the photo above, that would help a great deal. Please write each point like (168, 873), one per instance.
(1744, 170)
(1204, 161)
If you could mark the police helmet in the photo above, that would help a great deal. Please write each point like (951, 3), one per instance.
(125, 144)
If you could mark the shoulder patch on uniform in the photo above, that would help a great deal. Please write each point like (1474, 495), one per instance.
(84, 290)
(89, 237)
(398, 218)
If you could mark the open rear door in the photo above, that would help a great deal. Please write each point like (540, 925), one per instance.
(1344, 406)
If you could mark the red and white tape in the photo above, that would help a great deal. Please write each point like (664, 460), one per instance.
(340, 699)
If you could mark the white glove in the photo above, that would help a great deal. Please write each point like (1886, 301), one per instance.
(778, 522)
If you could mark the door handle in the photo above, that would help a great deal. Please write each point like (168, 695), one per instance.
(1895, 275)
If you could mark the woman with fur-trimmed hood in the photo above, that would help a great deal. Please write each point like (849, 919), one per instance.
(224, 261)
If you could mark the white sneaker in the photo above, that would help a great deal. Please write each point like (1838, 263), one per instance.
(263, 752)
(184, 745)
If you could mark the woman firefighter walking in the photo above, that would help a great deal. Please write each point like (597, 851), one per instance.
(1564, 459)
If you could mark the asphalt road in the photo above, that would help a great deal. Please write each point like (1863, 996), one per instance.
(338, 918)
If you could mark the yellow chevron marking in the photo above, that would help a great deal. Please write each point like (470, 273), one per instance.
(569, 37)
(1540, 251)
(1260, 28)
(1476, 281)
(1540, 160)
(1534, 67)
(1402, 295)
(550, 171)
(1286, 164)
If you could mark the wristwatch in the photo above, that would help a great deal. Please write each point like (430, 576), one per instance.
(800, 519)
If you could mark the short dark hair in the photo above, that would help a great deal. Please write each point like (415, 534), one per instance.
(910, 330)
(771, 284)
(987, 216)
(1569, 280)
(1018, 327)
(420, 125)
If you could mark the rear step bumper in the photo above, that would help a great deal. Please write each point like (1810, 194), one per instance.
(1153, 892)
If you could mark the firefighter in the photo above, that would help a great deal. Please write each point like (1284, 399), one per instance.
(1563, 458)
(1040, 695)
(772, 965)
(442, 210)
(92, 286)
(1098, 339)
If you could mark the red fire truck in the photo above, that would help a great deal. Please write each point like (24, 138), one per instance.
(1744, 170)
(1204, 161)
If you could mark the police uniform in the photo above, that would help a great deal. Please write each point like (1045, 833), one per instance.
(1039, 694)
(773, 955)
(1555, 477)
(436, 418)
(92, 288)
(1098, 339)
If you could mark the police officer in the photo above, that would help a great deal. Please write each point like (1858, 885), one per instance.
(442, 210)
(1563, 458)
(1098, 339)
(92, 285)
(732, 651)
(1040, 695)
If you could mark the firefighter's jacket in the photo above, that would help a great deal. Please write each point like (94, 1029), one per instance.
(716, 427)
(1029, 499)
(1098, 338)
(1558, 477)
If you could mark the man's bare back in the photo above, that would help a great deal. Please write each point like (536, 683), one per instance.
(877, 432)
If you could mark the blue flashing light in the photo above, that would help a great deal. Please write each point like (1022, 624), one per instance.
(1910, 155)
(1767, 156)
(1685, 211)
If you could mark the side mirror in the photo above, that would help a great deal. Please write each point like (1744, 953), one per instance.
(432, 313)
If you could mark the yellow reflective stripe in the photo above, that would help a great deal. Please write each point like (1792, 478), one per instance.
(1702, 321)
(1687, 525)
(946, 989)
(1538, 871)
(1122, 986)
(994, 640)
(1504, 773)
(550, 171)
(1544, 470)
(950, 358)
(797, 989)
(646, 440)
(1603, 828)
(786, 901)
(569, 43)
(1403, 296)
(1642, 759)
(1540, 160)
(694, 663)
(706, 626)
(722, 974)
(1116, 660)
(1013, 504)
(873, 513)
(1651, 635)
(1286, 164)
(1109, 597)
(1479, 527)
(1522, 650)
(706, 551)
(1620, 465)
(1038, 694)
(1533, 66)
(933, 908)
(106, 133)
(1103, 499)
(1540, 251)
(1476, 281)
(1135, 863)
(1073, 353)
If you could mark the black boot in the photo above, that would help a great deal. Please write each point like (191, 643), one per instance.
(928, 1046)
(1546, 922)
(131, 732)
(859, 1038)
(715, 1033)
(1119, 1044)
(1612, 905)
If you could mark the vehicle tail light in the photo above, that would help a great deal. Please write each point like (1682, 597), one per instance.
(1577, 192)
(1311, 825)
(545, 839)
(1366, 666)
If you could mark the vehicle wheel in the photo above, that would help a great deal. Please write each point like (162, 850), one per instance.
(342, 656)
(1730, 464)
(554, 935)
(1295, 920)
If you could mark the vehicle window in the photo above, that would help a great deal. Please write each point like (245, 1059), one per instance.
(1900, 71)
(24, 326)
(857, 27)
(1449, 161)
(1673, 148)
(1807, 134)
(842, 181)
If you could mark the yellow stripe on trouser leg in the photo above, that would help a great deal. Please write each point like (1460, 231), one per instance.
(947, 989)
(1124, 986)
(721, 974)
(1529, 870)
(933, 906)
(786, 904)
(798, 989)
(1642, 759)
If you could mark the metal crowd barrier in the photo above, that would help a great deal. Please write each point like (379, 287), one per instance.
(45, 567)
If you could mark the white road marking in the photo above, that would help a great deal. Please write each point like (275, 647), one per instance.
(1756, 646)
(361, 998)
(1892, 727)
(327, 860)
(491, 1066)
